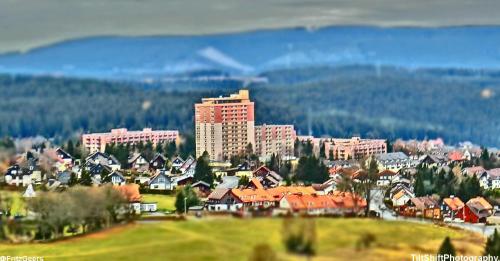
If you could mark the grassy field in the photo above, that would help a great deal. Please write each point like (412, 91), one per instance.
(164, 202)
(233, 239)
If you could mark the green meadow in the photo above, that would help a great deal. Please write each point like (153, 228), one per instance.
(233, 239)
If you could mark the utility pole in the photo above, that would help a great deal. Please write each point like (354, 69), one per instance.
(185, 206)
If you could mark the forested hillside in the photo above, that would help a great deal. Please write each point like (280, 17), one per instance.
(382, 102)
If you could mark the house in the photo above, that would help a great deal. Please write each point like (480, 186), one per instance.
(491, 179)
(64, 157)
(104, 160)
(387, 177)
(477, 171)
(96, 171)
(432, 160)
(116, 178)
(17, 176)
(177, 162)
(426, 207)
(400, 195)
(456, 156)
(63, 177)
(149, 206)
(229, 182)
(476, 210)
(393, 161)
(267, 177)
(138, 162)
(242, 170)
(142, 179)
(161, 181)
(222, 200)
(326, 187)
(451, 206)
(187, 164)
(338, 203)
(158, 162)
(202, 188)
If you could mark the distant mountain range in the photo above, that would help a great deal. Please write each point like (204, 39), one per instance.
(251, 53)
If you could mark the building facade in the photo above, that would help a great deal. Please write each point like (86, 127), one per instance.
(274, 139)
(94, 142)
(345, 149)
(224, 126)
(355, 148)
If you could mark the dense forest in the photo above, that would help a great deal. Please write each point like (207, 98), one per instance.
(381, 102)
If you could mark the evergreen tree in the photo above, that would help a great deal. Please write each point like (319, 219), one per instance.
(330, 155)
(203, 172)
(70, 148)
(72, 180)
(322, 151)
(447, 248)
(243, 181)
(492, 247)
(419, 186)
(85, 178)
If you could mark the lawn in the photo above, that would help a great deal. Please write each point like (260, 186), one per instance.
(233, 239)
(164, 202)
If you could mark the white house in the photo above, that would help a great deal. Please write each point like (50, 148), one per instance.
(161, 181)
(387, 177)
(401, 197)
(117, 178)
(394, 161)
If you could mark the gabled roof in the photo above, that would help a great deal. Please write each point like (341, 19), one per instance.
(178, 161)
(218, 193)
(477, 170)
(256, 183)
(134, 157)
(392, 156)
(387, 173)
(425, 202)
(158, 156)
(456, 156)
(200, 183)
(63, 154)
(479, 204)
(454, 203)
(116, 173)
(154, 178)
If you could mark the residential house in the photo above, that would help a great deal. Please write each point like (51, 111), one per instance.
(451, 206)
(338, 203)
(177, 162)
(267, 177)
(400, 196)
(491, 179)
(138, 162)
(64, 157)
(116, 178)
(476, 210)
(187, 164)
(158, 162)
(63, 177)
(161, 181)
(222, 200)
(387, 177)
(142, 179)
(104, 160)
(17, 176)
(394, 161)
(432, 160)
(426, 207)
(326, 188)
(202, 188)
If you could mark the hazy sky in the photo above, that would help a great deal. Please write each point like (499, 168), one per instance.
(28, 23)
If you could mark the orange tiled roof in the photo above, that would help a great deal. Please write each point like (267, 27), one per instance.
(313, 201)
(480, 202)
(271, 194)
(454, 203)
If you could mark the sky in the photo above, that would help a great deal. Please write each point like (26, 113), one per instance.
(25, 24)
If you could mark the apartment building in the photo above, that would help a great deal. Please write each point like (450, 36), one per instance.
(355, 148)
(274, 139)
(344, 149)
(94, 142)
(224, 126)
